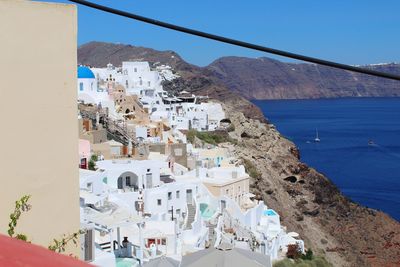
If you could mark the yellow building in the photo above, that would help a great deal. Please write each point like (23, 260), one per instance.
(39, 136)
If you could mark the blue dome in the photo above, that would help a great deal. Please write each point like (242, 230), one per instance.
(85, 73)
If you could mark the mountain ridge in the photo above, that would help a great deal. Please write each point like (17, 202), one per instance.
(254, 78)
(265, 78)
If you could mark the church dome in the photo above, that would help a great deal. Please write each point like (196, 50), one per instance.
(85, 73)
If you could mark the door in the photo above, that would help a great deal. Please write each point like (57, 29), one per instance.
(149, 180)
(89, 245)
(223, 205)
(189, 196)
(120, 186)
(83, 163)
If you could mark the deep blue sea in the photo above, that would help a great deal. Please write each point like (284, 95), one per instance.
(368, 174)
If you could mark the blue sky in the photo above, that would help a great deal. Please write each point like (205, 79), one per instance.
(347, 31)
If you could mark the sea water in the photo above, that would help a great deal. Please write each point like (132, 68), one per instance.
(366, 172)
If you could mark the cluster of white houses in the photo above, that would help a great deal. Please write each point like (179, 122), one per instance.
(153, 194)
(150, 194)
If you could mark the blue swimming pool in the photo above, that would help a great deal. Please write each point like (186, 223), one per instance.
(206, 211)
(126, 262)
(269, 212)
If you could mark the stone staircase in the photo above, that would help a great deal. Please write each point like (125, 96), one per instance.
(114, 129)
(212, 235)
(191, 213)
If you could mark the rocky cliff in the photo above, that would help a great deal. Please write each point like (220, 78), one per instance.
(265, 78)
(308, 203)
(346, 233)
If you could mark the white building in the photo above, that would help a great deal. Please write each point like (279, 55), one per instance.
(142, 209)
(182, 112)
(88, 90)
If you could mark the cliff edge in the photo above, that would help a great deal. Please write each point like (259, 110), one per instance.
(346, 233)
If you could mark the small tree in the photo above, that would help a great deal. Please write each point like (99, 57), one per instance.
(94, 158)
(92, 162)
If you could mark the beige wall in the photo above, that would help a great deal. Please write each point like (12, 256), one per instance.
(38, 67)
(236, 189)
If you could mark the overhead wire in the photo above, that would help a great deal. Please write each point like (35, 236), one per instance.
(237, 42)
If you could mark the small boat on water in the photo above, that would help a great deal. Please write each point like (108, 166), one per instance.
(371, 143)
(317, 140)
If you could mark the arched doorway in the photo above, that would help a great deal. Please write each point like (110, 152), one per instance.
(128, 180)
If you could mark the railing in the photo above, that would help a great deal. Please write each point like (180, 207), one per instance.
(120, 133)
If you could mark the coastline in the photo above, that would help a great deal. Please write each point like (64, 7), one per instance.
(346, 233)
(343, 155)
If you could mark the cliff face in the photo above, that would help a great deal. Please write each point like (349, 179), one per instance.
(346, 233)
(265, 78)
(308, 203)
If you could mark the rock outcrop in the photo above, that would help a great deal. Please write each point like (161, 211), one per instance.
(346, 233)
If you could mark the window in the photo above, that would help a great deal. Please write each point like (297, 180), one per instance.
(148, 84)
(135, 69)
(227, 191)
(148, 170)
(89, 187)
(159, 202)
(178, 212)
(169, 195)
(80, 86)
(126, 83)
(177, 194)
(128, 181)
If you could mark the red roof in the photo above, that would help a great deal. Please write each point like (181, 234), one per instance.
(14, 252)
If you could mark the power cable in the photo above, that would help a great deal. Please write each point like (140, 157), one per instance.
(237, 42)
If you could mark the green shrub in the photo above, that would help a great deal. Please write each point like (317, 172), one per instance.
(94, 158)
(308, 255)
(284, 263)
(251, 169)
(191, 134)
(213, 138)
(92, 165)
